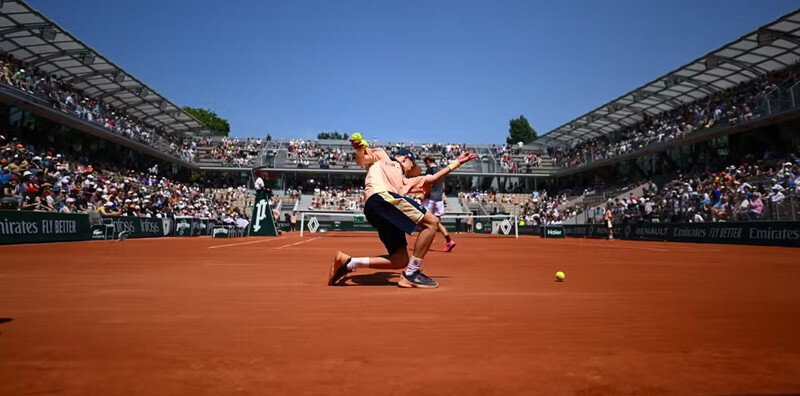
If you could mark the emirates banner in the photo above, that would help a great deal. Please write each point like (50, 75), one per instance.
(27, 226)
(765, 233)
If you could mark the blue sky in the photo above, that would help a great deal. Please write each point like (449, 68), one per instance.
(446, 71)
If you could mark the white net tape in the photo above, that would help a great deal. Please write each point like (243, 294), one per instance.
(319, 221)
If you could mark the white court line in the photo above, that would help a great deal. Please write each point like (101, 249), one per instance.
(245, 243)
(297, 243)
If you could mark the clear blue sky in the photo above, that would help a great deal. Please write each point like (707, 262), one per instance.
(403, 70)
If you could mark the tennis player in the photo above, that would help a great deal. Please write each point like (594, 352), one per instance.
(394, 215)
(434, 202)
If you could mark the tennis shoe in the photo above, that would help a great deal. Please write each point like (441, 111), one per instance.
(338, 268)
(449, 246)
(417, 279)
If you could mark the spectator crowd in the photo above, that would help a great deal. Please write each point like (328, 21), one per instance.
(43, 180)
(344, 199)
(231, 152)
(741, 103)
(517, 159)
(767, 189)
(62, 96)
(535, 208)
(307, 153)
(311, 154)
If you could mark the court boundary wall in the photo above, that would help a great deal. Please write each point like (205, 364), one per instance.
(761, 233)
(34, 227)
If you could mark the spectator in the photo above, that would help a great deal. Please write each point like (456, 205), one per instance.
(48, 182)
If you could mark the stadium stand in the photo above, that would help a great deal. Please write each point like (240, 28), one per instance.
(338, 199)
(333, 154)
(228, 152)
(62, 96)
(37, 180)
(535, 208)
(759, 190)
(745, 102)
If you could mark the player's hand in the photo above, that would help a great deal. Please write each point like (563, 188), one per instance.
(358, 144)
(466, 157)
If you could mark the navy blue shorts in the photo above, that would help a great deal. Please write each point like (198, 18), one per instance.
(394, 216)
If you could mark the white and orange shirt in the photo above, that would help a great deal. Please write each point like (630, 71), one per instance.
(385, 174)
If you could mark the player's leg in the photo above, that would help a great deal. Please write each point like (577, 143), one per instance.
(398, 260)
(405, 215)
(344, 264)
(392, 225)
(438, 211)
(412, 275)
(430, 225)
(394, 240)
(443, 231)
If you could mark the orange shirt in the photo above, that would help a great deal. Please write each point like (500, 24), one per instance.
(384, 174)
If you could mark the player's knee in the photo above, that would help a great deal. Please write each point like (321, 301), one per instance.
(429, 221)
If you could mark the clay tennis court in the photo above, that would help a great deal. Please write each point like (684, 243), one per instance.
(253, 316)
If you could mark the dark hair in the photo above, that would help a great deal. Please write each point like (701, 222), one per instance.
(429, 159)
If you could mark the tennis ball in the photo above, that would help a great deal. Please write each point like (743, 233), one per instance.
(356, 137)
(560, 276)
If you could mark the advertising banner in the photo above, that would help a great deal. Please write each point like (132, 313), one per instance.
(222, 231)
(553, 232)
(766, 233)
(262, 222)
(186, 226)
(139, 227)
(27, 227)
(205, 226)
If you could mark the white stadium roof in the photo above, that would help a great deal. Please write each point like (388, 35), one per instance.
(771, 47)
(39, 42)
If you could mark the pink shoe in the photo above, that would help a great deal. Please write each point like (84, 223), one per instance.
(449, 246)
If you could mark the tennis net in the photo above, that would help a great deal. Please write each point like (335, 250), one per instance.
(322, 222)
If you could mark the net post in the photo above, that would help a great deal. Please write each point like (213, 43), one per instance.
(516, 226)
(302, 222)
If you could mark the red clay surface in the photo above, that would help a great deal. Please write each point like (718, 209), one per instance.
(252, 316)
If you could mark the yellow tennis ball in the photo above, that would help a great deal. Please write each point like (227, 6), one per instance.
(560, 276)
(356, 137)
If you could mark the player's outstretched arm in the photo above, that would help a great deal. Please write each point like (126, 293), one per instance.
(363, 156)
(439, 176)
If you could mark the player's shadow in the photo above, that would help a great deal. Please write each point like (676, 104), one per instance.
(383, 278)
(373, 279)
(4, 320)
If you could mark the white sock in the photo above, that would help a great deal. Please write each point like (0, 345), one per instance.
(414, 265)
(356, 262)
